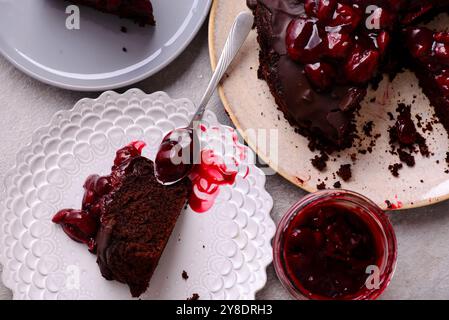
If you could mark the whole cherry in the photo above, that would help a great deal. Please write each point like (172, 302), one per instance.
(361, 64)
(304, 40)
(79, 225)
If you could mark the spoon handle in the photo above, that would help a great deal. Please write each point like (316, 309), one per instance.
(237, 36)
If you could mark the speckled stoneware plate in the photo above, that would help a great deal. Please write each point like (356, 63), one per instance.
(34, 37)
(224, 251)
(251, 106)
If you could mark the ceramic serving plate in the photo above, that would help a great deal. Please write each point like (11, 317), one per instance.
(254, 108)
(224, 251)
(34, 37)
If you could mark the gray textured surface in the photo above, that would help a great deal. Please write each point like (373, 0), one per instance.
(423, 234)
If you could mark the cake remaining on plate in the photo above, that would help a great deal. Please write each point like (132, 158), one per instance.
(141, 11)
(319, 56)
(428, 54)
(127, 218)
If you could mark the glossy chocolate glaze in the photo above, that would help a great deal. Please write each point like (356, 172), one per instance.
(328, 115)
(324, 116)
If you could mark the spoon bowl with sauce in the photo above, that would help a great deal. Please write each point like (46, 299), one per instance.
(177, 152)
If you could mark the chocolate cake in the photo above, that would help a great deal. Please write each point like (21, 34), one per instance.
(318, 58)
(127, 218)
(429, 59)
(140, 11)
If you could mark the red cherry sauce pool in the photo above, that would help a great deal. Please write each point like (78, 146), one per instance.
(82, 225)
(327, 249)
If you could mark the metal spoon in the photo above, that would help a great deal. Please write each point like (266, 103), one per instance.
(171, 164)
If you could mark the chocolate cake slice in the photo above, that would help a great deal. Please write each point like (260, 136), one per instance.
(127, 218)
(140, 11)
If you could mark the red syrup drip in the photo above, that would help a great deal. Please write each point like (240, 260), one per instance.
(208, 172)
(207, 177)
(82, 225)
(327, 249)
(174, 159)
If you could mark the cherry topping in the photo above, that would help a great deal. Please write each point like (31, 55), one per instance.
(321, 75)
(346, 17)
(382, 41)
(406, 130)
(303, 40)
(322, 9)
(130, 151)
(443, 80)
(420, 42)
(361, 65)
(432, 49)
(442, 37)
(79, 225)
(338, 45)
(95, 187)
(332, 33)
(82, 225)
(442, 52)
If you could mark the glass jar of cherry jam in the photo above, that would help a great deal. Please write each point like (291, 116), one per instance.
(335, 244)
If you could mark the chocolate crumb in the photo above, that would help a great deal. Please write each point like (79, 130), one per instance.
(337, 185)
(321, 186)
(368, 128)
(394, 169)
(124, 49)
(185, 276)
(124, 29)
(405, 139)
(345, 172)
(194, 297)
(320, 162)
(407, 158)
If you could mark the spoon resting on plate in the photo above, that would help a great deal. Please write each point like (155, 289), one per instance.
(179, 149)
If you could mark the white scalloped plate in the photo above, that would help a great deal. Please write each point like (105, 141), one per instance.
(225, 251)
